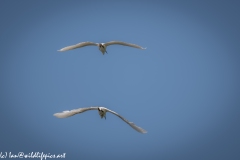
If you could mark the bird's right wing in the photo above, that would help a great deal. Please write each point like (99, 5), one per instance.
(139, 129)
(124, 44)
(79, 45)
(66, 114)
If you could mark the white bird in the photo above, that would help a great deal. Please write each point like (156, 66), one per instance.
(102, 112)
(101, 46)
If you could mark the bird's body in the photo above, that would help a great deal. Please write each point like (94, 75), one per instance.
(101, 46)
(102, 112)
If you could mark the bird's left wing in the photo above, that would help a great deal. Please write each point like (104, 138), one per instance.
(79, 45)
(139, 129)
(124, 44)
(70, 113)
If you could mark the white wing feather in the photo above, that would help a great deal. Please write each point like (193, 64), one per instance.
(79, 45)
(124, 44)
(139, 129)
(66, 114)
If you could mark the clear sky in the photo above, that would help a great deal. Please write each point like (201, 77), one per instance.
(183, 89)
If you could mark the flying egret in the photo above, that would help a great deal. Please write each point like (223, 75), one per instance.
(101, 46)
(102, 112)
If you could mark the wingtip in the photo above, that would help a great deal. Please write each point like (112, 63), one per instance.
(58, 115)
(144, 132)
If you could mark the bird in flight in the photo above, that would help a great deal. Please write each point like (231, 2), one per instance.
(101, 46)
(102, 112)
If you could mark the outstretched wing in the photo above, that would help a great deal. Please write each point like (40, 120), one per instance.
(124, 44)
(139, 129)
(66, 114)
(79, 45)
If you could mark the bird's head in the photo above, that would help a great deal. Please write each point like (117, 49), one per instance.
(101, 45)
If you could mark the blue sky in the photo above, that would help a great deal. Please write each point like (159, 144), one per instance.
(183, 89)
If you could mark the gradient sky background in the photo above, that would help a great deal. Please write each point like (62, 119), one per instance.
(183, 89)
